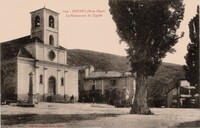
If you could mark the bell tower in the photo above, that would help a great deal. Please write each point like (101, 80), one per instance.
(44, 25)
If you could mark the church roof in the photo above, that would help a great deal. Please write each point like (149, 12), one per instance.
(14, 48)
(44, 8)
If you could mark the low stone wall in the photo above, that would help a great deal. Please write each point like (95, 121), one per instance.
(46, 98)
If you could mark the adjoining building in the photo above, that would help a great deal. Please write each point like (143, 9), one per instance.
(107, 86)
(182, 95)
(40, 54)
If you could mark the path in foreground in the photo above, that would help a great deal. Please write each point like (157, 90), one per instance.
(78, 115)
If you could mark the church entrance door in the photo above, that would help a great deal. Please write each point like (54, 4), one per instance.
(52, 88)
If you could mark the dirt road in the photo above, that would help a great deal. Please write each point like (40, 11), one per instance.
(53, 115)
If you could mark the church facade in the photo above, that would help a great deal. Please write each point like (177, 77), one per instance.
(41, 55)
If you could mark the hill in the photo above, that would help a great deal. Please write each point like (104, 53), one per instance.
(100, 61)
(165, 78)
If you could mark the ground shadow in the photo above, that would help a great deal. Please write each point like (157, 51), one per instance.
(191, 124)
(49, 118)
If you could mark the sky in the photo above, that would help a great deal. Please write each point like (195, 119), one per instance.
(83, 24)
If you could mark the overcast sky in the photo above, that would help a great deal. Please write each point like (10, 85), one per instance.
(85, 32)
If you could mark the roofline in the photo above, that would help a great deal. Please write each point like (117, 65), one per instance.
(10, 40)
(45, 9)
(24, 58)
(42, 44)
(109, 77)
(72, 67)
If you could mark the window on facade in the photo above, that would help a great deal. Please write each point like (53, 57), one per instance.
(62, 81)
(52, 55)
(51, 21)
(93, 87)
(37, 21)
(41, 79)
(113, 82)
(93, 81)
(51, 40)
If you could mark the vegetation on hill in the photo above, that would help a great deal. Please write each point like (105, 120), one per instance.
(100, 61)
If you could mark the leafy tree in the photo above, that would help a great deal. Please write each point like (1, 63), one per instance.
(192, 57)
(149, 29)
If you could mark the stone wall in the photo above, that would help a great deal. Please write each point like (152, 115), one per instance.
(72, 83)
(25, 66)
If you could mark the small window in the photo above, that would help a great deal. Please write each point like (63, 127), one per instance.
(37, 21)
(51, 40)
(93, 87)
(93, 81)
(62, 81)
(51, 21)
(113, 82)
(41, 79)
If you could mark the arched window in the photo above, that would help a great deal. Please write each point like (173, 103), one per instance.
(62, 81)
(51, 21)
(37, 21)
(41, 79)
(51, 40)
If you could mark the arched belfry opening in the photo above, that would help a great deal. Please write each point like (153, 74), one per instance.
(37, 21)
(51, 21)
(44, 25)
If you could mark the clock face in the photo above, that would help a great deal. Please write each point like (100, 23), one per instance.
(52, 55)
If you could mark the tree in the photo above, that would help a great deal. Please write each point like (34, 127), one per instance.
(192, 57)
(149, 29)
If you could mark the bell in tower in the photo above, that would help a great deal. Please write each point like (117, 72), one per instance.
(44, 25)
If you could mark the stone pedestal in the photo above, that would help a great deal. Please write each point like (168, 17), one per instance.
(31, 93)
(65, 85)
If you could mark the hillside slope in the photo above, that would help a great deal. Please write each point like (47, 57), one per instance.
(100, 61)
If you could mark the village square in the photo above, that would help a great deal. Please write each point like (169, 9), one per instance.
(44, 84)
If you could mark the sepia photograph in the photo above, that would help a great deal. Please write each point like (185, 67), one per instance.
(99, 64)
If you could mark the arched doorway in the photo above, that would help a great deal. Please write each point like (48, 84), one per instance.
(51, 88)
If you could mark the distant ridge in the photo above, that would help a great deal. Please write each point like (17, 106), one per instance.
(103, 61)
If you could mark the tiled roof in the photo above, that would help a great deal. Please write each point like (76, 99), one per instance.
(84, 67)
(108, 74)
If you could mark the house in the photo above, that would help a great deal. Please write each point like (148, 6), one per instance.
(110, 87)
(182, 95)
(40, 59)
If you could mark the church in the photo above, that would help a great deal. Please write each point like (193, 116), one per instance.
(39, 58)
